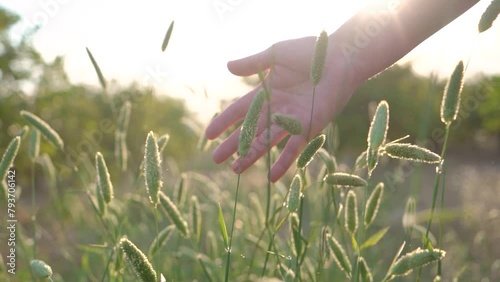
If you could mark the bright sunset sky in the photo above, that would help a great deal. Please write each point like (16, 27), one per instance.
(125, 38)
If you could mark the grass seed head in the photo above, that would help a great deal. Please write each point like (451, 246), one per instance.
(294, 194)
(103, 178)
(415, 259)
(121, 152)
(310, 150)
(340, 256)
(288, 123)
(139, 262)
(351, 212)
(152, 168)
(166, 39)
(378, 127)
(410, 216)
(124, 117)
(364, 271)
(345, 179)
(8, 156)
(34, 148)
(44, 129)
(373, 204)
(160, 240)
(249, 126)
(319, 58)
(174, 214)
(451, 97)
(40, 269)
(411, 152)
(196, 217)
(489, 16)
(295, 232)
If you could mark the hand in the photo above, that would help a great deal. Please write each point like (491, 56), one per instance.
(291, 93)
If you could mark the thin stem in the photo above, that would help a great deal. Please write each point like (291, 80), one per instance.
(440, 240)
(232, 229)
(311, 115)
(436, 182)
(33, 206)
(157, 261)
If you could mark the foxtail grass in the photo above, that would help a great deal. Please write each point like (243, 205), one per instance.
(44, 128)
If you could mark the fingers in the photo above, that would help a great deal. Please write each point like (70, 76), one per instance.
(293, 148)
(252, 64)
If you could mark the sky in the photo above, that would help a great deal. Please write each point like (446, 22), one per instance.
(125, 38)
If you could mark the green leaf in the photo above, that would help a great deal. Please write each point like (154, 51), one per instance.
(374, 239)
(222, 227)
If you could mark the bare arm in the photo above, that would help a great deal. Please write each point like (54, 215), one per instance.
(374, 41)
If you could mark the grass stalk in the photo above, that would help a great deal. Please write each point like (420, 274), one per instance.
(228, 260)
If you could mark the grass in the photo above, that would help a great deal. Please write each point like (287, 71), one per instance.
(336, 229)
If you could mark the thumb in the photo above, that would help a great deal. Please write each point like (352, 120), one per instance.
(252, 64)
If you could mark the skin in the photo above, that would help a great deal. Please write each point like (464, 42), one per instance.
(351, 60)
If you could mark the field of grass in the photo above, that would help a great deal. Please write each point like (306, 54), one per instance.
(143, 218)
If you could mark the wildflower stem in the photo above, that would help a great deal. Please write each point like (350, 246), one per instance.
(33, 206)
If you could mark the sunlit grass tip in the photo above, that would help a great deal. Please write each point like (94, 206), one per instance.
(310, 150)
(45, 129)
(103, 178)
(139, 262)
(152, 168)
(41, 269)
(174, 214)
(249, 126)
(451, 98)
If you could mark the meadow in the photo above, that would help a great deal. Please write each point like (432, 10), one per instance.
(127, 200)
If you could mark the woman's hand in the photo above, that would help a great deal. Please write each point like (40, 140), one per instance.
(291, 93)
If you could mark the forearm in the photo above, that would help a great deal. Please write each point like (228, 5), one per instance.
(373, 41)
